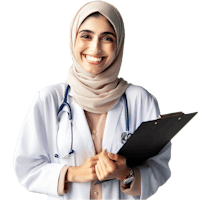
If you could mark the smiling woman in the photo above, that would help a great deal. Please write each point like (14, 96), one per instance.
(97, 41)
(87, 113)
(95, 46)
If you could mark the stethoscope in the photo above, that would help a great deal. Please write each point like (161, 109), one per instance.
(124, 137)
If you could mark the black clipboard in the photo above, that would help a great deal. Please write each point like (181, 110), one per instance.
(151, 137)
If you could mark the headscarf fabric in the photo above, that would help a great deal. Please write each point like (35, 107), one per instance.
(97, 93)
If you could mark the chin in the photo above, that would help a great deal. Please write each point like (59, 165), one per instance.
(92, 71)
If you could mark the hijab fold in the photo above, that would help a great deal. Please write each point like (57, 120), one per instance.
(98, 93)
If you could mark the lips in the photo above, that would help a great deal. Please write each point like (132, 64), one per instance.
(94, 59)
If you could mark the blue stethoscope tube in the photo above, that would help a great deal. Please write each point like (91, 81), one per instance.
(125, 135)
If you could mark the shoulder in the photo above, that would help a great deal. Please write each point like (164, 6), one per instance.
(142, 103)
(140, 97)
(138, 92)
(52, 92)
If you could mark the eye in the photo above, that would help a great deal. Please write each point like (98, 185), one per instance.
(108, 39)
(85, 36)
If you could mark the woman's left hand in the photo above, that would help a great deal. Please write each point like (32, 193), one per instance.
(107, 169)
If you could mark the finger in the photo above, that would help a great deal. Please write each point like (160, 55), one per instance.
(103, 165)
(95, 158)
(116, 157)
(97, 171)
(104, 151)
(101, 173)
(93, 164)
(107, 161)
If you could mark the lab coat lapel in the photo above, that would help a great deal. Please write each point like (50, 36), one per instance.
(110, 126)
(80, 124)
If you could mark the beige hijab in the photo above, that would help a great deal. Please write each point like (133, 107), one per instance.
(98, 93)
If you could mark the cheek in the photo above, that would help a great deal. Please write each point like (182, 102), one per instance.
(80, 47)
(111, 50)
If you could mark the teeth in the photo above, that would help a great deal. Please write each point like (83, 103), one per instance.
(91, 58)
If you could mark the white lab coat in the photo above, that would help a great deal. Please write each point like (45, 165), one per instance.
(45, 134)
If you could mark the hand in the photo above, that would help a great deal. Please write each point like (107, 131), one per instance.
(107, 169)
(85, 172)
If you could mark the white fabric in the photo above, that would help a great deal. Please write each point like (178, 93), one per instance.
(44, 134)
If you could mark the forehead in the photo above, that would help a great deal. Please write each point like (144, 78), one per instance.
(97, 23)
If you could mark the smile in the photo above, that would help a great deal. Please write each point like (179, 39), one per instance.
(93, 60)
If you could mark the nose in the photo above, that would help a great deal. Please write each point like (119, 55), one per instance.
(96, 46)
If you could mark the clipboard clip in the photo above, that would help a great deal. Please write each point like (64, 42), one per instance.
(173, 114)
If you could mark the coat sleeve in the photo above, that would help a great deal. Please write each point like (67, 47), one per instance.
(32, 162)
(149, 176)
(63, 184)
(155, 171)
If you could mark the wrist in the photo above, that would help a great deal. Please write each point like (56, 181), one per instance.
(125, 174)
(70, 175)
(130, 178)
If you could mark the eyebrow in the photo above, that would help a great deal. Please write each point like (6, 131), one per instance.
(103, 33)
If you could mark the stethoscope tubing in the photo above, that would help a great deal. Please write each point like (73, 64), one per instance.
(66, 104)
(126, 112)
(125, 135)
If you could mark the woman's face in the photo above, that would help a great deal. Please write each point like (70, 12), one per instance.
(95, 45)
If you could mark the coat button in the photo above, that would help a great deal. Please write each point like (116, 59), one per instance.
(94, 132)
(96, 193)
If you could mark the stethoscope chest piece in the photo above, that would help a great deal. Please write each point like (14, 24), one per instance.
(125, 136)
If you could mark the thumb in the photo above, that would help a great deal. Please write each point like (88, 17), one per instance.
(113, 156)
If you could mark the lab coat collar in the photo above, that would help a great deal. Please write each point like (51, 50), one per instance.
(80, 124)
(70, 92)
(110, 126)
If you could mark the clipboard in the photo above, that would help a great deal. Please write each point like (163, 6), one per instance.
(151, 137)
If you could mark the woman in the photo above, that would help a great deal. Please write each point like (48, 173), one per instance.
(95, 99)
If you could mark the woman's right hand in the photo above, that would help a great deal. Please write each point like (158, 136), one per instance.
(85, 172)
